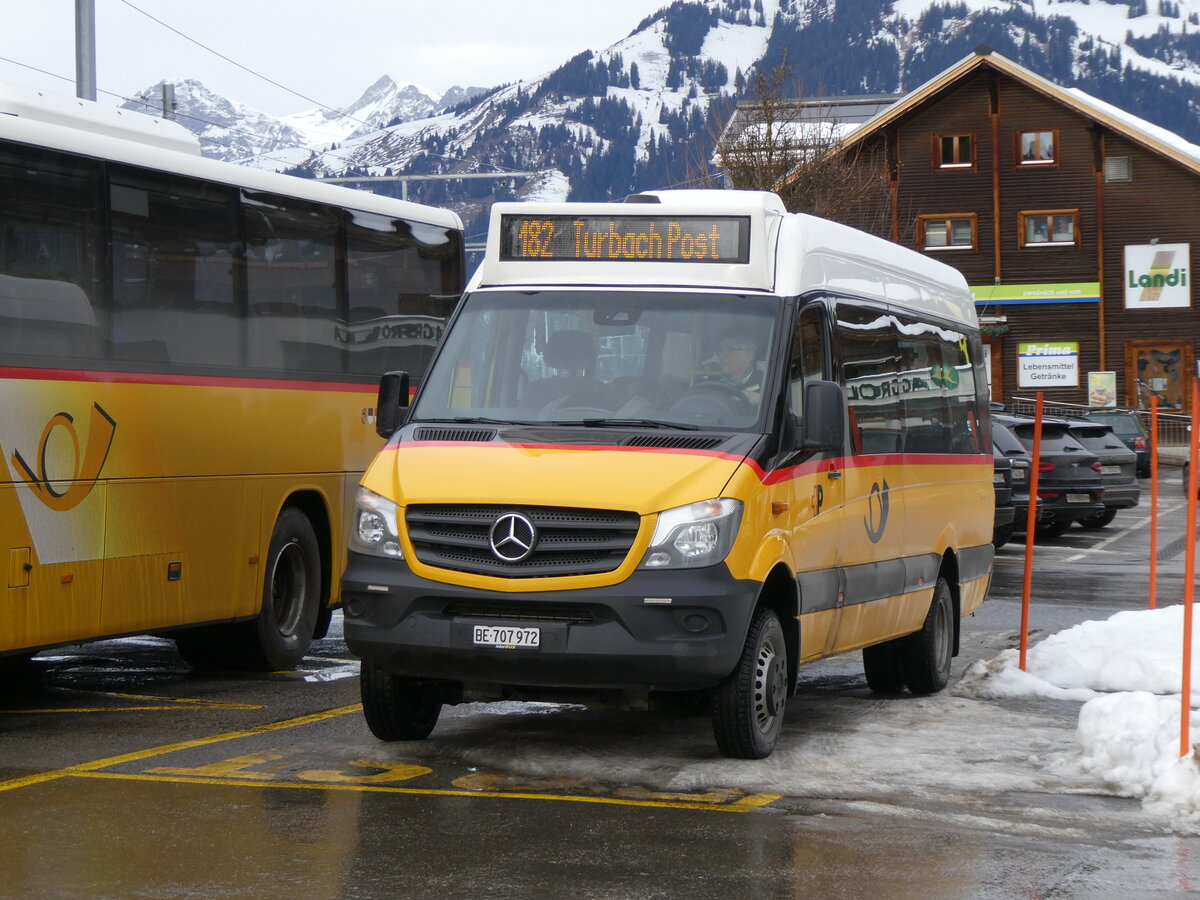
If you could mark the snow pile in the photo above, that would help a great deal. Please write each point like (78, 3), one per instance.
(1128, 669)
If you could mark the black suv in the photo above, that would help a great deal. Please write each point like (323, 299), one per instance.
(1069, 482)
(1118, 469)
(1002, 472)
(1128, 427)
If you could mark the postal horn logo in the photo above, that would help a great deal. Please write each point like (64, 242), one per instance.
(877, 508)
(62, 490)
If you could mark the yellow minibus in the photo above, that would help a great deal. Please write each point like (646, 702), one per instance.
(685, 443)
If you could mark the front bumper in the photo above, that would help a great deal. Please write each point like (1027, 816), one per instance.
(623, 637)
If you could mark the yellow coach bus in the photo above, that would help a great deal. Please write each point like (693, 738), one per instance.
(189, 357)
(681, 444)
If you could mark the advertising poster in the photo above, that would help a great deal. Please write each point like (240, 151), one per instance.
(1102, 388)
(1042, 364)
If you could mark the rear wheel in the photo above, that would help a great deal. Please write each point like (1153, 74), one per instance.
(279, 636)
(1099, 520)
(397, 708)
(748, 705)
(1053, 529)
(884, 667)
(927, 653)
(1001, 535)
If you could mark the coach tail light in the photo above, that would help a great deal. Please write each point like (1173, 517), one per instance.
(374, 528)
(692, 536)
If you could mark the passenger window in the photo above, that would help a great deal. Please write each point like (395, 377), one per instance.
(870, 364)
(51, 255)
(808, 354)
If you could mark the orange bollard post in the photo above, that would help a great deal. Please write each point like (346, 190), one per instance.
(1189, 577)
(1153, 501)
(1031, 526)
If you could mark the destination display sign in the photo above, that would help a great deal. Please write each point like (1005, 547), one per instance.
(640, 238)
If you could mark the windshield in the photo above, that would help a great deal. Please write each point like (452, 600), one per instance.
(605, 357)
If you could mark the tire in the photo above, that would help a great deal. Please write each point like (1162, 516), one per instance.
(1001, 536)
(279, 636)
(1099, 520)
(1053, 529)
(748, 706)
(926, 655)
(396, 708)
(884, 667)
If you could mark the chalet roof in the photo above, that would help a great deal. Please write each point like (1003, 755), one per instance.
(1153, 137)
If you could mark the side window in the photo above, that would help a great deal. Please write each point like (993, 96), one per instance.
(808, 354)
(51, 255)
(870, 365)
(174, 247)
(938, 383)
(294, 320)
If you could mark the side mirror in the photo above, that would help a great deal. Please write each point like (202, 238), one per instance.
(391, 404)
(824, 416)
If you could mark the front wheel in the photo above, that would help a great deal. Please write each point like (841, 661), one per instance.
(748, 705)
(927, 653)
(397, 708)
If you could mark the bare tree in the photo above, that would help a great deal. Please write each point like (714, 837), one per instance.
(794, 148)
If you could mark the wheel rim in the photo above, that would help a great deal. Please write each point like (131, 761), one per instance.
(770, 686)
(943, 636)
(289, 585)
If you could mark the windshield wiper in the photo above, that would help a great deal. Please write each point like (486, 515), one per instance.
(479, 420)
(625, 423)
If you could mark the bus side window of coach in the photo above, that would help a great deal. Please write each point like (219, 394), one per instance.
(808, 355)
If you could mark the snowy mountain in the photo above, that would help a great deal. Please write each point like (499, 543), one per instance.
(231, 131)
(645, 112)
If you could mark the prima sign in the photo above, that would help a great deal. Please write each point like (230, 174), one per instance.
(1157, 276)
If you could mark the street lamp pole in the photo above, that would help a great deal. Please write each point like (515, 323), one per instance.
(85, 49)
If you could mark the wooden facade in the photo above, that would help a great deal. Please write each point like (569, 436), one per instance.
(1040, 196)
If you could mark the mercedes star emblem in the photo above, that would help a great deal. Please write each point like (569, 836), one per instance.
(512, 537)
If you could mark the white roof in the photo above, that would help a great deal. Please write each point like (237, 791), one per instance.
(45, 119)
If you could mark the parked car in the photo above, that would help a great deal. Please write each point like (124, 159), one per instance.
(1002, 529)
(1069, 481)
(1007, 444)
(1127, 425)
(1118, 469)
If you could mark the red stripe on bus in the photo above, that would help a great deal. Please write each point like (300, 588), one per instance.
(96, 377)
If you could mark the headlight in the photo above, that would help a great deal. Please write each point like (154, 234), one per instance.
(699, 534)
(373, 529)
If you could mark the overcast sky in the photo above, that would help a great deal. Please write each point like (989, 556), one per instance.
(327, 50)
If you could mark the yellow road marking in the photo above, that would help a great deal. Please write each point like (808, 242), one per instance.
(754, 801)
(89, 767)
(170, 704)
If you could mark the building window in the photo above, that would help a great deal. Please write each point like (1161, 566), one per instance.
(947, 232)
(1055, 227)
(1037, 148)
(954, 151)
(1118, 169)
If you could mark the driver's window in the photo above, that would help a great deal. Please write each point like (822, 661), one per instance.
(808, 354)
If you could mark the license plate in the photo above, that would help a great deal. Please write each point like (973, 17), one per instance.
(1079, 498)
(1110, 470)
(506, 637)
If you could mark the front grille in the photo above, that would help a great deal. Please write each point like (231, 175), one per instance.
(569, 541)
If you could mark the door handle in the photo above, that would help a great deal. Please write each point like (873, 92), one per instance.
(833, 474)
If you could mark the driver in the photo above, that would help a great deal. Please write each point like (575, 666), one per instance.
(736, 355)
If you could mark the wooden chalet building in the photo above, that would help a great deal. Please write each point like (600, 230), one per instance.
(1075, 224)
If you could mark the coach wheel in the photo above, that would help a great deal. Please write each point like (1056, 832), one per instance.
(397, 708)
(748, 705)
(291, 592)
(926, 655)
(1099, 520)
(884, 667)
